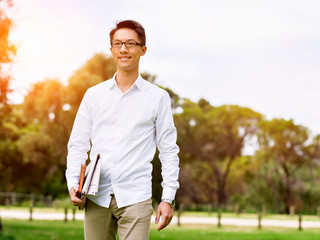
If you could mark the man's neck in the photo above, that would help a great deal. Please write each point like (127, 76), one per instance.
(126, 79)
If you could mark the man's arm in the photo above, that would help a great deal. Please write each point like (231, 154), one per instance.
(78, 147)
(166, 135)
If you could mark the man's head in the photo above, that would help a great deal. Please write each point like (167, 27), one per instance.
(131, 24)
(128, 41)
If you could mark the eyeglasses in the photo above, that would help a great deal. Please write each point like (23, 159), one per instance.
(128, 44)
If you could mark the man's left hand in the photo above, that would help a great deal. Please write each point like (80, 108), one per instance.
(165, 211)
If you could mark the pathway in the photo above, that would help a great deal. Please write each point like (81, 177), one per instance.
(14, 214)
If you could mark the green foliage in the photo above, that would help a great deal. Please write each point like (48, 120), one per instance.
(281, 159)
(4, 236)
(156, 179)
(43, 103)
(149, 77)
(34, 136)
(11, 165)
(211, 140)
(97, 69)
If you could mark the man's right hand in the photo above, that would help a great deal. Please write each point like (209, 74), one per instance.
(75, 200)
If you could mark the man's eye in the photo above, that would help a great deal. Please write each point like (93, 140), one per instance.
(130, 44)
(116, 44)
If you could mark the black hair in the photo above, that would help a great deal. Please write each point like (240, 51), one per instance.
(134, 25)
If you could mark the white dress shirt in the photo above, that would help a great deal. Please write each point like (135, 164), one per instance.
(125, 129)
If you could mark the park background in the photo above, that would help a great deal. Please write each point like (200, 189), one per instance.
(243, 77)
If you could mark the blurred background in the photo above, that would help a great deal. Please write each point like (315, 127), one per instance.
(243, 77)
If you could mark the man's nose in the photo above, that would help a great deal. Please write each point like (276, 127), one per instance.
(123, 48)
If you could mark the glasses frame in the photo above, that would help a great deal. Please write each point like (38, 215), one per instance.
(125, 44)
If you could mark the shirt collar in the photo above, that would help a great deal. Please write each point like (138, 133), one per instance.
(138, 83)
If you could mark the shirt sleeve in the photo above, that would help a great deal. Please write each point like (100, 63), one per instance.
(166, 137)
(79, 142)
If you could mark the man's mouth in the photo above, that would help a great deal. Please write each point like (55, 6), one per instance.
(125, 58)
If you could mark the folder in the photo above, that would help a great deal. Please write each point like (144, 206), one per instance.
(89, 178)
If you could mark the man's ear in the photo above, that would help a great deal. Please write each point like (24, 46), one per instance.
(144, 50)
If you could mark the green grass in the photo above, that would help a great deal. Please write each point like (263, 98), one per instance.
(43, 230)
(232, 233)
(51, 230)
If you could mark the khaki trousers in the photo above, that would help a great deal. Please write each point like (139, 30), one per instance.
(132, 221)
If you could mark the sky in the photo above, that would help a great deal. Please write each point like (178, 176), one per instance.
(262, 54)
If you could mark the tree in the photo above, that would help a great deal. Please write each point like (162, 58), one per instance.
(310, 176)
(43, 106)
(42, 141)
(96, 70)
(10, 120)
(11, 164)
(211, 139)
(282, 158)
(49, 109)
(7, 51)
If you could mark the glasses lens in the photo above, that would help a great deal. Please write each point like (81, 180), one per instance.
(116, 44)
(131, 44)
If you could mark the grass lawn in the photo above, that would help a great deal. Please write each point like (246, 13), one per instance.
(51, 230)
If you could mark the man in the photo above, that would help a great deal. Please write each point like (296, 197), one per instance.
(125, 119)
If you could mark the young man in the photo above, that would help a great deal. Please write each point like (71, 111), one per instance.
(125, 118)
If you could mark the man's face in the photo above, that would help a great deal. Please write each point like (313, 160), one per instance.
(127, 59)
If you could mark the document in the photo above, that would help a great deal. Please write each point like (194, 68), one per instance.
(89, 178)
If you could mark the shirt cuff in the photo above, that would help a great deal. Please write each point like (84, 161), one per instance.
(169, 193)
(72, 184)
